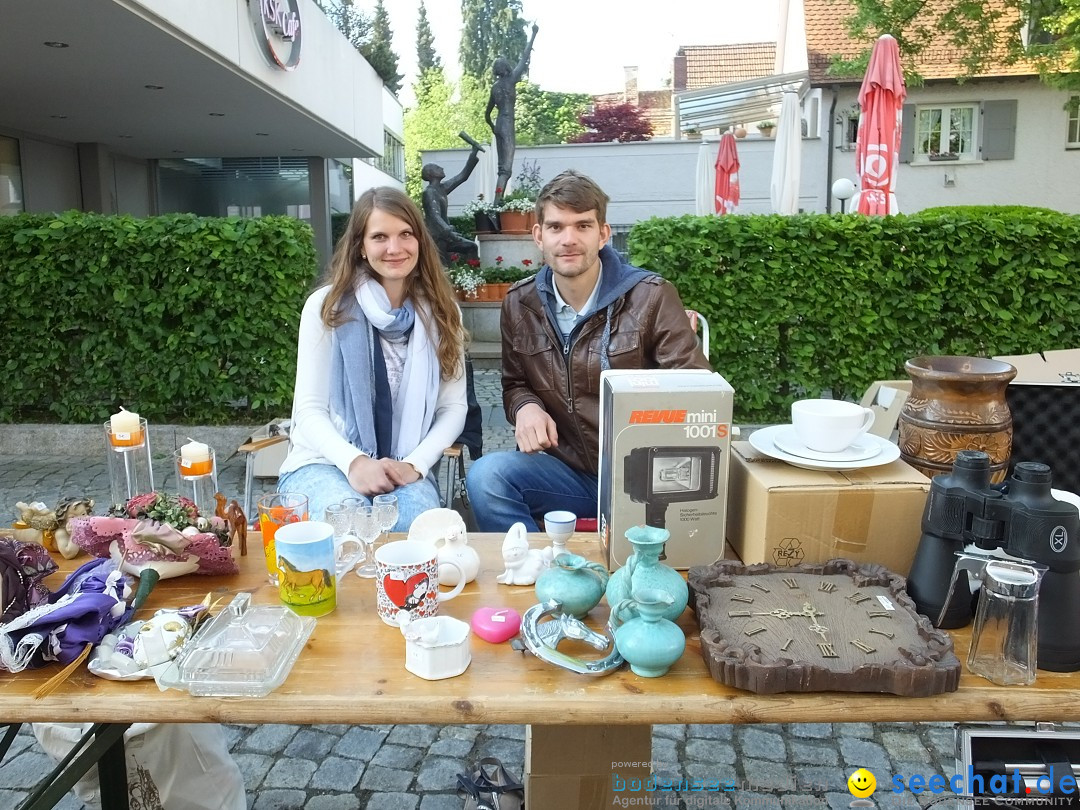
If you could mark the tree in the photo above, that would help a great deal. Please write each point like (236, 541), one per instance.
(379, 49)
(442, 110)
(352, 24)
(490, 28)
(1043, 32)
(614, 122)
(426, 57)
(543, 117)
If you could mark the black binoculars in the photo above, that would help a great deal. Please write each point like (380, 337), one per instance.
(1021, 518)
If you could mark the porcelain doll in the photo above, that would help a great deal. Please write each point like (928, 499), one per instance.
(523, 564)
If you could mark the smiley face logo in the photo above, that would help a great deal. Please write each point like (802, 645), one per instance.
(861, 783)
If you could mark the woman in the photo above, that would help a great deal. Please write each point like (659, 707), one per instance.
(380, 368)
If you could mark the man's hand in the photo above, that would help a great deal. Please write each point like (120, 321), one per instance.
(375, 476)
(535, 429)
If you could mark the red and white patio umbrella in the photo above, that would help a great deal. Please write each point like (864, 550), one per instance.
(727, 176)
(877, 146)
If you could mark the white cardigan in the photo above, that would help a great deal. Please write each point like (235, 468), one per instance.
(313, 439)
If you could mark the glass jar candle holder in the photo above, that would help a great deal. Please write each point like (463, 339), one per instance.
(128, 454)
(197, 479)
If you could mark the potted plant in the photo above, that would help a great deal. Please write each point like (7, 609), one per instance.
(514, 213)
(465, 276)
(766, 128)
(485, 214)
(498, 279)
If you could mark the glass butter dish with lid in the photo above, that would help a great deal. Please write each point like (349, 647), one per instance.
(245, 651)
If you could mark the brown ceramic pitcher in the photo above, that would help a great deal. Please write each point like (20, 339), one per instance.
(956, 403)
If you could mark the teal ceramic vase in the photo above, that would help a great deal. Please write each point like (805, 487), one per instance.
(575, 582)
(643, 570)
(643, 636)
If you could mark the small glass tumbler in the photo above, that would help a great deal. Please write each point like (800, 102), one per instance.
(340, 517)
(276, 509)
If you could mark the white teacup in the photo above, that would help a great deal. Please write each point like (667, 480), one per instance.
(559, 525)
(829, 425)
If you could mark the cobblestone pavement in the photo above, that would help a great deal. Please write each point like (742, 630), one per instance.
(410, 767)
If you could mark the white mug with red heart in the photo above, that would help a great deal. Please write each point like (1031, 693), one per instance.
(407, 578)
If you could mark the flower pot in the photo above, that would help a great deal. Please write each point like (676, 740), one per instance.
(956, 403)
(766, 132)
(491, 292)
(514, 222)
(486, 222)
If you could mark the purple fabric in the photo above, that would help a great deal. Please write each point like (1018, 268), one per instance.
(96, 607)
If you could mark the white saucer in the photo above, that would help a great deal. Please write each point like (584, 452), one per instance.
(787, 440)
(762, 441)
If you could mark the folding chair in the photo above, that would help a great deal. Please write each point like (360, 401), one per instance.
(696, 320)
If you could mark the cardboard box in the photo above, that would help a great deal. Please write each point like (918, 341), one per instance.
(886, 399)
(664, 446)
(1044, 399)
(592, 768)
(786, 515)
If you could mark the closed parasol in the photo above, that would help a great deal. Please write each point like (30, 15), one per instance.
(727, 176)
(877, 146)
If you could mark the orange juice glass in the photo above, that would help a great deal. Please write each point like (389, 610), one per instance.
(276, 509)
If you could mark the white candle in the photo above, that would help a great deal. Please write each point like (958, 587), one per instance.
(124, 422)
(193, 452)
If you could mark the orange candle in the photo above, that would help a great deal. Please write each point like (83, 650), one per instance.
(125, 429)
(195, 459)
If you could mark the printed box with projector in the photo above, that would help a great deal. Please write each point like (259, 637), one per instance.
(664, 439)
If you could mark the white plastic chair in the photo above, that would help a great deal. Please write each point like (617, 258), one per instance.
(696, 320)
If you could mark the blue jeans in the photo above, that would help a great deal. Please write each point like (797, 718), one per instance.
(511, 487)
(325, 484)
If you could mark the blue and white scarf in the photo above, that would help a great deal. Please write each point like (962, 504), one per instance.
(352, 371)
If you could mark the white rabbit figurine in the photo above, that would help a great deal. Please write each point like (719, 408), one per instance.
(523, 564)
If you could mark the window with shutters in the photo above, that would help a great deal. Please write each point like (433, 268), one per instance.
(948, 132)
(1074, 122)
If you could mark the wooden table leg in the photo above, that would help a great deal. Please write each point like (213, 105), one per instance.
(585, 766)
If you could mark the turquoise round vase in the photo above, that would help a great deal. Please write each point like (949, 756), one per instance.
(575, 582)
(643, 570)
(648, 641)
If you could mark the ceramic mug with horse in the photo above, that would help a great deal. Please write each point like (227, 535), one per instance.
(308, 563)
(407, 578)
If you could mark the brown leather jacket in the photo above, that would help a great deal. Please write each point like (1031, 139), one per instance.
(649, 329)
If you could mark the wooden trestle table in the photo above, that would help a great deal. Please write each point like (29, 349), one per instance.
(581, 729)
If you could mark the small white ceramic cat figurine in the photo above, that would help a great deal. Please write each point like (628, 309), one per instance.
(523, 564)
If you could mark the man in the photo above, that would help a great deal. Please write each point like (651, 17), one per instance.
(586, 310)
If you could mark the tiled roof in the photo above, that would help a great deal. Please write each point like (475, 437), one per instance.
(826, 35)
(710, 65)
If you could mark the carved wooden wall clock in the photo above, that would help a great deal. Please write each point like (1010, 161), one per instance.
(838, 625)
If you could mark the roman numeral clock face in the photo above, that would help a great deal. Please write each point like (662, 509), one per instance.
(834, 626)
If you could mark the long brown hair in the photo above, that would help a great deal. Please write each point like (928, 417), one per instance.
(427, 283)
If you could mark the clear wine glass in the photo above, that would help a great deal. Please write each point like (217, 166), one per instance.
(340, 517)
(388, 510)
(367, 526)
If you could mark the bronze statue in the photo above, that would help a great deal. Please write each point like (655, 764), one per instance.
(434, 199)
(504, 97)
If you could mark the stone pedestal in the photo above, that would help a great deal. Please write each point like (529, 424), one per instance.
(512, 247)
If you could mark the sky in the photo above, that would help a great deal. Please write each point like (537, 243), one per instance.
(583, 46)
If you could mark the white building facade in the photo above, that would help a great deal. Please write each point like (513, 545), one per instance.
(215, 107)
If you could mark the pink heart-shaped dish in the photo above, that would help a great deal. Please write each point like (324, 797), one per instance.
(496, 624)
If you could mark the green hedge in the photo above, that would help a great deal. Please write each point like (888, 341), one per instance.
(816, 303)
(178, 317)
